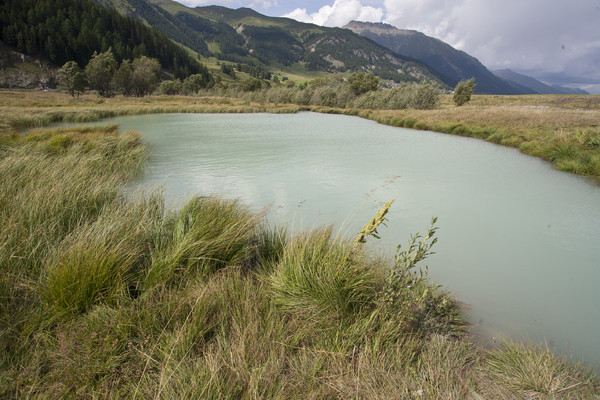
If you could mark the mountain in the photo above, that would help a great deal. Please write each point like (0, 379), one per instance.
(246, 36)
(454, 64)
(160, 19)
(529, 85)
(72, 30)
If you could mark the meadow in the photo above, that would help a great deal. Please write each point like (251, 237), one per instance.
(109, 295)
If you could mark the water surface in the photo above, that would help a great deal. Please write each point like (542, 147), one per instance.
(519, 242)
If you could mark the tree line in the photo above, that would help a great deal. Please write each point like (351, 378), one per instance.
(72, 30)
(131, 78)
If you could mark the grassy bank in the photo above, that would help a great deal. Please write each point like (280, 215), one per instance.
(107, 296)
(563, 130)
(26, 109)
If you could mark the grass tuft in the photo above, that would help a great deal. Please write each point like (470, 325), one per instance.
(206, 235)
(519, 371)
(316, 277)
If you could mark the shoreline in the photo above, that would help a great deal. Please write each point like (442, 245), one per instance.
(568, 137)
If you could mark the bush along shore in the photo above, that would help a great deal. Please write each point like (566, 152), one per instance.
(107, 295)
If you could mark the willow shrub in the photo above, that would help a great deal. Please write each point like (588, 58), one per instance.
(337, 92)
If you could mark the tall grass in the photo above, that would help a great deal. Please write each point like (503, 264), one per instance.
(316, 278)
(107, 295)
(102, 262)
(207, 234)
(518, 371)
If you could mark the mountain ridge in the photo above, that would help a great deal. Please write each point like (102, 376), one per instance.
(533, 86)
(440, 56)
(279, 42)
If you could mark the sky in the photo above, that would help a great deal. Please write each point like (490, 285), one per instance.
(556, 41)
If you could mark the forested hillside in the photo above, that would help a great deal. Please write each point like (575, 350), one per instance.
(161, 20)
(72, 30)
(247, 37)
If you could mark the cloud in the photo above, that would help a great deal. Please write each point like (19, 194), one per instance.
(265, 4)
(196, 3)
(338, 14)
(538, 37)
(545, 39)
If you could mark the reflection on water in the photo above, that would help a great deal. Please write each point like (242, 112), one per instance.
(518, 241)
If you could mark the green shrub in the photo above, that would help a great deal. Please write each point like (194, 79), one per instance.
(362, 83)
(251, 85)
(171, 87)
(425, 96)
(463, 91)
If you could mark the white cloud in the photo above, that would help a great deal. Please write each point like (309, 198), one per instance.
(265, 4)
(541, 38)
(196, 3)
(339, 14)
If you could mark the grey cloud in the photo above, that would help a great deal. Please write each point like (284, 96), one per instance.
(539, 37)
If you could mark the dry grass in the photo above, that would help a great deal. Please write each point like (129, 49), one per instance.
(30, 109)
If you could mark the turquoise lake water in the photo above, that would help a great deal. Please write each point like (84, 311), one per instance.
(519, 243)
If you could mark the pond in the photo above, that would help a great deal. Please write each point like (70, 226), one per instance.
(519, 243)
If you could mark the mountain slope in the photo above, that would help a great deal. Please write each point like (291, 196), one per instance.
(456, 65)
(160, 19)
(531, 85)
(330, 49)
(245, 36)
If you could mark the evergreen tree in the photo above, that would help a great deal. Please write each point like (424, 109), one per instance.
(72, 30)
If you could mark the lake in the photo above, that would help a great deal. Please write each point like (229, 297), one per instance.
(519, 243)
